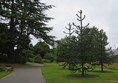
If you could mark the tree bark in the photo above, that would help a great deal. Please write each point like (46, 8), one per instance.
(102, 69)
(83, 74)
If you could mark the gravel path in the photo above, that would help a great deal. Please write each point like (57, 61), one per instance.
(25, 74)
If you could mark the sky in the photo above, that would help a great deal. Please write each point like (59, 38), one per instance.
(99, 13)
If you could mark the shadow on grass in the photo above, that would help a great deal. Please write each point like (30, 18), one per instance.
(80, 76)
(97, 71)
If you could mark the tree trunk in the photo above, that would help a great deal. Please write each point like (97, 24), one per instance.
(102, 69)
(83, 74)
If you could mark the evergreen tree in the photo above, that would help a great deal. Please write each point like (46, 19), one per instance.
(81, 37)
(100, 48)
(22, 19)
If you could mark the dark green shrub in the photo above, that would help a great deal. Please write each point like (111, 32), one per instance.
(30, 59)
(49, 56)
(46, 61)
(38, 59)
(20, 59)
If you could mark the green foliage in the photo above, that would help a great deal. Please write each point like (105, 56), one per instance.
(21, 59)
(49, 56)
(115, 58)
(101, 54)
(39, 53)
(28, 53)
(37, 59)
(41, 48)
(69, 50)
(88, 46)
(63, 50)
(19, 20)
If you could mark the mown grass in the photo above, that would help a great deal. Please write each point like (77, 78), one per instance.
(4, 73)
(54, 74)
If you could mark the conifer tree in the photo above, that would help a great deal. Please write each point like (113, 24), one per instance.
(23, 18)
(81, 38)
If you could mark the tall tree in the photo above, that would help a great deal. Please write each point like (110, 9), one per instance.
(101, 51)
(24, 18)
(81, 37)
(101, 55)
(64, 49)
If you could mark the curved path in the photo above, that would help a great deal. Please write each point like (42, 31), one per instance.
(25, 74)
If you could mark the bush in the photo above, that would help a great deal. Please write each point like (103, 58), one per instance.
(21, 59)
(49, 56)
(46, 61)
(38, 59)
(30, 59)
(59, 60)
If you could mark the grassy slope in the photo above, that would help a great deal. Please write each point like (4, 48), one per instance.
(54, 74)
(3, 74)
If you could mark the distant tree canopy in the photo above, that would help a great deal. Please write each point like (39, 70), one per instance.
(18, 20)
(41, 48)
(39, 53)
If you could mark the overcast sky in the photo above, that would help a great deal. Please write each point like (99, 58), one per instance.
(99, 13)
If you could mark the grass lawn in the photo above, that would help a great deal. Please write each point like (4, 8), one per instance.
(4, 73)
(54, 74)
